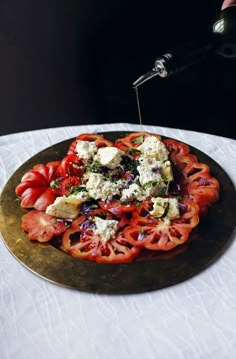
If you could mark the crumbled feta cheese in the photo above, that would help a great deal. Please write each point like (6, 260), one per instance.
(161, 205)
(65, 207)
(153, 147)
(166, 170)
(109, 157)
(99, 187)
(82, 196)
(106, 229)
(149, 171)
(133, 192)
(173, 212)
(86, 149)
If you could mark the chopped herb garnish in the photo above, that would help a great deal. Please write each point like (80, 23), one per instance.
(93, 166)
(93, 206)
(150, 184)
(162, 191)
(77, 189)
(55, 184)
(138, 140)
(185, 183)
(132, 151)
(165, 178)
(130, 165)
(179, 198)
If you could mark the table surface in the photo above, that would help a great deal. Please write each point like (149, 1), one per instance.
(195, 319)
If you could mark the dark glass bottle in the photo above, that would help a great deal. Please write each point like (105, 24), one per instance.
(220, 39)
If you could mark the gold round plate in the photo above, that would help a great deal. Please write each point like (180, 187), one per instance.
(205, 244)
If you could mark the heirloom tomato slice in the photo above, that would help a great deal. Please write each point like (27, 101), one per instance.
(100, 141)
(41, 226)
(159, 235)
(116, 208)
(159, 238)
(71, 165)
(176, 148)
(34, 189)
(84, 244)
(133, 140)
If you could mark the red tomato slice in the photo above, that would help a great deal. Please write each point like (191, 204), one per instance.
(133, 140)
(71, 165)
(41, 226)
(85, 244)
(35, 184)
(35, 177)
(100, 141)
(202, 188)
(176, 148)
(157, 235)
(65, 185)
(159, 238)
(116, 208)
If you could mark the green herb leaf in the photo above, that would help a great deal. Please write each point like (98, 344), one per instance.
(162, 191)
(55, 184)
(76, 189)
(138, 140)
(150, 184)
(132, 151)
(93, 206)
(93, 167)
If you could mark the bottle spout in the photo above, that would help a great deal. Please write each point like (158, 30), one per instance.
(149, 75)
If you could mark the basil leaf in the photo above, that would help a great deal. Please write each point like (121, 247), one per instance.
(138, 139)
(76, 189)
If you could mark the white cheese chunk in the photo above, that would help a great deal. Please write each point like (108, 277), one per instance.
(162, 205)
(86, 149)
(106, 229)
(149, 175)
(149, 170)
(133, 192)
(153, 147)
(166, 170)
(98, 187)
(65, 207)
(109, 157)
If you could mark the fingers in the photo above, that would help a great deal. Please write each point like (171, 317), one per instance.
(228, 3)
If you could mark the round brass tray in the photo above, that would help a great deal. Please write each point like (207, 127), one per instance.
(206, 242)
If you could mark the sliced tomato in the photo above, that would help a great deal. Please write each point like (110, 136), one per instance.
(64, 186)
(202, 188)
(84, 244)
(156, 234)
(34, 189)
(141, 215)
(176, 148)
(71, 165)
(133, 140)
(116, 208)
(100, 141)
(159, 238)
(41, 226)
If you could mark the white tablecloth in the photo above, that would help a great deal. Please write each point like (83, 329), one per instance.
(195, 319)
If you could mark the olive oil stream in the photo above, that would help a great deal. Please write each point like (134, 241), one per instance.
(139, 109)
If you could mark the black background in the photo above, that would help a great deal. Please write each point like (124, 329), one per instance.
(73, 62)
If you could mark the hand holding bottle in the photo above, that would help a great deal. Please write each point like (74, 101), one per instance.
(228, 3)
